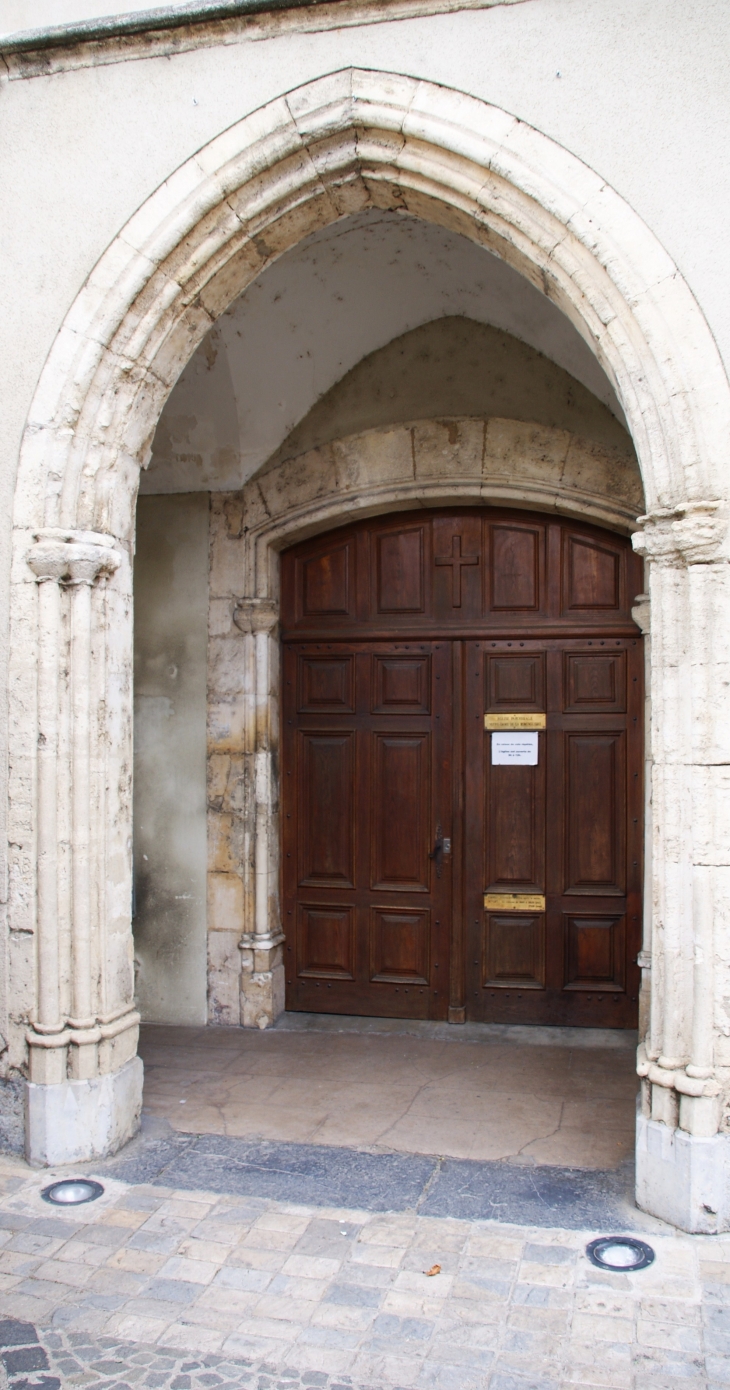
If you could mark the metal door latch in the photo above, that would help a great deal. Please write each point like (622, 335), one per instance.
(441, 847)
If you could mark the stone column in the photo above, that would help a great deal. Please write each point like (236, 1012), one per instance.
(85, 1081)
(261, 944)
(641, 614)
(683, 1153)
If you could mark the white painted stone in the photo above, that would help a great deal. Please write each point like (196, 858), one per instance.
(683, 1179)
(74, 1121)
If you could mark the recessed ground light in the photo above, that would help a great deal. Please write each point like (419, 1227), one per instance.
(620, 1253)
(72, 1192)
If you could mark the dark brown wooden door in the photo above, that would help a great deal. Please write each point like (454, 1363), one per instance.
(367, 807)
(566, 830)
(422, 876)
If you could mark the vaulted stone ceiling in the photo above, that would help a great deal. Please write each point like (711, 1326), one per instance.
(378, 319)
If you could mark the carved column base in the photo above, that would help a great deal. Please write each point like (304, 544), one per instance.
(681, 1178)
(74, 1121)
(262, 981)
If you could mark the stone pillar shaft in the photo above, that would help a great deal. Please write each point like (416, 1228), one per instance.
(683, 1161)
(641, 613)
(73, 1111)
(262, 977)
(49, 999)
(82, 1004)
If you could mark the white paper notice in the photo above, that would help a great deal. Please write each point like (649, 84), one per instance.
(515, 749)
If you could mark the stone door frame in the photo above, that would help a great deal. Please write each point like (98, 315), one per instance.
(397, 468)
(347, 141)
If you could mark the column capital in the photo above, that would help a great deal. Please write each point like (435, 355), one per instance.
(256, 615)
(72, 557)
(695, 533)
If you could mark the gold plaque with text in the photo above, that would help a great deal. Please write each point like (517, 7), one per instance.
(514, 902)
(515, 721)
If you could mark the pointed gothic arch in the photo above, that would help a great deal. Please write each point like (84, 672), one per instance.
(344, 142)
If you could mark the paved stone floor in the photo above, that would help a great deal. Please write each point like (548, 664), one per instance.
(537, 1095)
(180, 1289)
(362, 1205)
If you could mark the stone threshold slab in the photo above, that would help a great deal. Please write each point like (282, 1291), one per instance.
(319, 1175)
(519, 1035)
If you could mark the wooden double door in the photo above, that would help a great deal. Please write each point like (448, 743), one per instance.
(462, 770)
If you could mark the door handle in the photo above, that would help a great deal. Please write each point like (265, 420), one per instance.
(437, 851)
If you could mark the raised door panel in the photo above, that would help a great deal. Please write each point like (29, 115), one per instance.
(399, 945)
(326, 808)
(514, 951)
(325, 583)
(595, 766)
(516, 564)
(457, 567)
(325, 942)
(401, 782)
(401, 685)
(515, 827)
(595, 952)
(515, 683)
(591, 576)
(399, 571)
(595, 682)
(326, 685)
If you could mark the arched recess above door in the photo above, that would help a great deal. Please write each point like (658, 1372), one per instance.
(484, 572)
(422, 463)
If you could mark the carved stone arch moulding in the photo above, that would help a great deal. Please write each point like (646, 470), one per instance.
(430, 463)
(344, 142)
(328, 149)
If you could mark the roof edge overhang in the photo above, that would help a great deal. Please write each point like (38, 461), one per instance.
(169, 17)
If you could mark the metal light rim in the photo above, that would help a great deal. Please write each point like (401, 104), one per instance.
(596, 1248)
(93, 1190)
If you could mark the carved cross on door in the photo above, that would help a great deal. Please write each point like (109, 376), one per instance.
(457, 561)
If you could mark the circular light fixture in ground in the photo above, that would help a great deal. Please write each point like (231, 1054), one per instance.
(72, 1192)
(622, 1254)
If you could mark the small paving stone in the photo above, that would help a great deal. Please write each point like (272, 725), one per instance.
(308, 1297)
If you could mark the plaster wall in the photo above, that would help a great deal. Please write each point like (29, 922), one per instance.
(170, 653)
(454, 366)
(293, 340)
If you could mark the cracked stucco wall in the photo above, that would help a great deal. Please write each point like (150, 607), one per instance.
(170, 649)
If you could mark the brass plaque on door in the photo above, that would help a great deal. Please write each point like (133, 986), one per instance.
(514, 902)
(515, 721)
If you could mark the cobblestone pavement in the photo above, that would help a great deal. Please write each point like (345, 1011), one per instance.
(150, 1286)
(50, 1360)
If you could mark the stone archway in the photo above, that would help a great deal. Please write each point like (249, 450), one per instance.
(347, 141)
